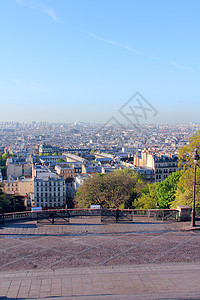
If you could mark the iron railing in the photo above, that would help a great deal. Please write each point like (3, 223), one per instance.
(116, 215)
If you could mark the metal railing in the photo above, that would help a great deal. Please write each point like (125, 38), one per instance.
(116, 215)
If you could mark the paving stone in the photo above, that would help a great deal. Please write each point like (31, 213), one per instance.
(70, 248)
(110, 261)
(19, 264)
(96, 255)
(6, 257)
(7, 243)
(71, 262)
(46, 258)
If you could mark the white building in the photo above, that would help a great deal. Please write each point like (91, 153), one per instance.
(49, 189)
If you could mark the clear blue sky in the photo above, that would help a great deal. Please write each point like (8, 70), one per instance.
(80, 60)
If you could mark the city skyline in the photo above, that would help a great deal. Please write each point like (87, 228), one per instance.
(81, 61)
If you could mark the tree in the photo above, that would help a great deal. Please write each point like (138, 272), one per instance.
(60, 160)
(166, 190)
(184, 193)
(45, 154)
(148, 198)
(5, 156)
(117, 189)
(4, 203)
(185, 153)
(3, 171)
(17, 203)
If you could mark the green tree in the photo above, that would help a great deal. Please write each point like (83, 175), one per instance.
(17, 203)
(166, 190)
(148, 198)
(3, 171)
(4, 203)
(44, 154)
(60, 160)
(186, 153)
(5, 156)
(117, 189)
(184, 193)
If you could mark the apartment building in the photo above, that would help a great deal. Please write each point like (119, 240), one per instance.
(17, 167)
(162, 165)
(20, 187)
(49, 189)
(65, 171)
(47, 149)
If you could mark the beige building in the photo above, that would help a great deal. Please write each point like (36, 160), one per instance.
(65, 171)
(19, 187)
(18, 169)
(163, 165)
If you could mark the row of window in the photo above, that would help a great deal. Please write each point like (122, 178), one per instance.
(12, 184)
(49, 204)
(165, 171)
(159, 176)
(166, 165)
(49, 195)
(12, 189)
(50, 183)
(50, 189)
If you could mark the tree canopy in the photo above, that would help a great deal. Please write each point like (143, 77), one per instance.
(184, 193)
(185, 153)
(166, 190)
(60, 160)
(117, 189)
(148, 198)
(4, 203)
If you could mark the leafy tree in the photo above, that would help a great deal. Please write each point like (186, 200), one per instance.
(3, 171)
(166, 190)
(117, 189)
(148, 198)
(185, 153)
(4, 203)
(11, 203)
(60, 160)
(44, 154)
(184, 193)
(5, 156)
(17, 203)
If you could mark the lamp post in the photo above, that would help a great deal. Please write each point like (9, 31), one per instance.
(195, 158)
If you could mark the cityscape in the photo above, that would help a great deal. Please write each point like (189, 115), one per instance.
(67, 154)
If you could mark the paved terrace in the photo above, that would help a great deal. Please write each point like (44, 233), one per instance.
(88, 260)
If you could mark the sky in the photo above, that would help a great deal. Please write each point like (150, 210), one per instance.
(82, 60)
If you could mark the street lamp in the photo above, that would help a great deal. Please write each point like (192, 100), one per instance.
(195, 158)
